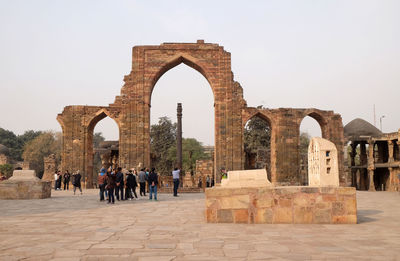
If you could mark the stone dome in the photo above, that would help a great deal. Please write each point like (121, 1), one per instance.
(4, 149)
(359, 127)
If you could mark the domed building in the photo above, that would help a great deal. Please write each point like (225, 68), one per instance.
(359, 129)
(374, 156)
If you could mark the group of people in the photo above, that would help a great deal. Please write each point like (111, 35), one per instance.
(113, 183)
(66, 178)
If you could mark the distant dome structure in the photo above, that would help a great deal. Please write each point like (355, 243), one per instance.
(4, 149)
(359, 127)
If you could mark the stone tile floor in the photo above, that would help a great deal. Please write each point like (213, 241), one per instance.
(68, 227)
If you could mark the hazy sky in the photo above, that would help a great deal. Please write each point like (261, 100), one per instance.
(332, 55)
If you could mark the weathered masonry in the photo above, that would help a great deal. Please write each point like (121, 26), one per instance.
(131, 112)
(374, 157)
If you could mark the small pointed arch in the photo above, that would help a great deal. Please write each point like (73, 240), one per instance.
(312, 124)
(175, 61)
(260, 115)
(98, 116)
(257, 143)
(315, 115)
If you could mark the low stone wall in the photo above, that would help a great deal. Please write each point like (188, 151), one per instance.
(25, 189)
(282, 205)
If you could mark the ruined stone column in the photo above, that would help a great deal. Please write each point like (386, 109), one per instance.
(391, 150)
(371, 165)
(179, 136)
(49, 167)
(363, 154)
(352, 164)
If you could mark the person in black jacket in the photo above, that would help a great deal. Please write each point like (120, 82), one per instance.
(153, 182)
(131, 185)
(77, 181)
(119, 179)
(67, 177)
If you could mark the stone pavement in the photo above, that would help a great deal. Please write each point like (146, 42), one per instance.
(67, 227)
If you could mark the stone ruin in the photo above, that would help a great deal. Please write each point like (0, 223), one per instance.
(25, 185)
(248, 197)
(49, 167)
(131, 112)
(374, 162)
(323, 167)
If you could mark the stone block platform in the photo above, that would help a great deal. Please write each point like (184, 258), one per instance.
(282, 205)
(25, 185)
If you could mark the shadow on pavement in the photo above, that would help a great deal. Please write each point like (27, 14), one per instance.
(363, 216)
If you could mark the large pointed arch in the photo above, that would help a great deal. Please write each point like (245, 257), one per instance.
(175, 61)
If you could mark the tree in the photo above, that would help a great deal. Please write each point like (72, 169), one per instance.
(9, 139)
(42, 146)
(97, 164)
(6, 170)
(304, 142)
(16, 143)
(257, 133)
(163, 148)
(162, 139)
(192, 150)
(97, 139)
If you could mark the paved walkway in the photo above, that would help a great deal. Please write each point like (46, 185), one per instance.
(67, 227)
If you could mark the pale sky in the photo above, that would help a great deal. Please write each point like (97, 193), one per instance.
(332, 55)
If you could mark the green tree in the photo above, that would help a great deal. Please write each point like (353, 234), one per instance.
(42, 146)
(162, 139)
(163, 148)
(257, 133)
(16, 143)
(9, 139)
(97, 139)
(192, 150)
(6, 170)
(304, 142)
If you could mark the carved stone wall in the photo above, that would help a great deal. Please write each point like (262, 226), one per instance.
(49, 167)
(131, 111)
(285, 139)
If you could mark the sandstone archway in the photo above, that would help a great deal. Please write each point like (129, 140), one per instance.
(131, 111)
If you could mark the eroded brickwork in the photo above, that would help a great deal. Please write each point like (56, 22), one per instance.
(131, 111)
(285, 139)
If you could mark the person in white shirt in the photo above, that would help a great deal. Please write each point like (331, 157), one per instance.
(55, 180)
(175, 177)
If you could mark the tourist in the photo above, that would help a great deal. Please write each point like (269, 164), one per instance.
(119, 179)
(135, 174)
(200, 183)
(175, 178)
(212, 182)
(101, 181)
(153, 181)
(142, 182)
(111, 177)
(59, 178)
(147, 179)
(77, 181)
(130, 185)
(135, 183)
(208, 181)
(66, 177)
(55, 180)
